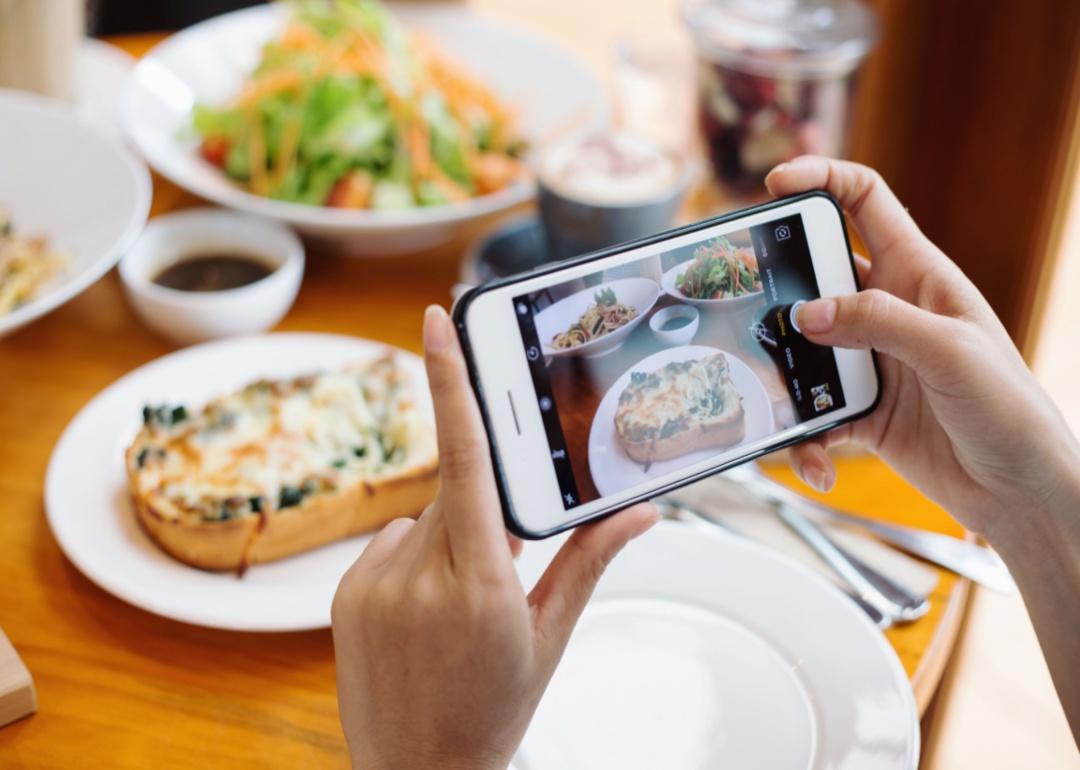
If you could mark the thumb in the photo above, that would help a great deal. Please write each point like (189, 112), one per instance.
(879, 320)
(565, 587)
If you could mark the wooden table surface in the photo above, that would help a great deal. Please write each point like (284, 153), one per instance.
(122, 688)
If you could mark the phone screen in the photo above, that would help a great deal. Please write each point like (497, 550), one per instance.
(659, 363)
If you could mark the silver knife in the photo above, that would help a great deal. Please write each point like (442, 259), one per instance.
(962, 557)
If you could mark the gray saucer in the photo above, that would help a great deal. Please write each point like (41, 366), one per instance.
(516, 247)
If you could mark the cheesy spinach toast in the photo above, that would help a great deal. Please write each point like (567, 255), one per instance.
(680, 408)
(282, 466)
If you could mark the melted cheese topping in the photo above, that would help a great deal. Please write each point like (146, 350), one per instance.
(273, 444)
(672, 399)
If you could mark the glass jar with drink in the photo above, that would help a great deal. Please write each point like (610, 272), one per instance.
(775, 80)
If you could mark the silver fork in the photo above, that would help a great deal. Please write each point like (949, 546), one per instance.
(874, 588)
(673, 509)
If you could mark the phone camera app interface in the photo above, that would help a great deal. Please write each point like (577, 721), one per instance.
(676, 358)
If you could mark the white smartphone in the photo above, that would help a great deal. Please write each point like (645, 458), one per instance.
(614, 377)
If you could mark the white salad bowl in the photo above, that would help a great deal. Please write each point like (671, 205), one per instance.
(639, 293)
(667, 281)
(187, 317)
(207, 63)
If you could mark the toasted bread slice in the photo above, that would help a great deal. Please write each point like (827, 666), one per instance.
(680, 408)
(281, 467)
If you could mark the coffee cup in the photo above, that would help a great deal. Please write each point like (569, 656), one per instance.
(607, 188)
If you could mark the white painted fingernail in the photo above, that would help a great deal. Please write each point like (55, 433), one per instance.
(815, 477)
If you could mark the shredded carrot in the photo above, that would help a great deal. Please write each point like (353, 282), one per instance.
(257, 154)
(300, 37)
(453, 191)
(271, 83)
(287, 150)
(359, 52)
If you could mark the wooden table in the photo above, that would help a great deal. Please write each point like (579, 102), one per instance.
(122, 688)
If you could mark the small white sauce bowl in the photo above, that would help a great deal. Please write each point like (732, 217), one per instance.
(187, 317)
(683, 334)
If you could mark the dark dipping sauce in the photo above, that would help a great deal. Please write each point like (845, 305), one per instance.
(677, 322)
(213, 272)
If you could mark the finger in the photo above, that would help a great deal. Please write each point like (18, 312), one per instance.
(564, 588)
(876, 319)
(515, 545)
(385, 544)
(862, 269)
(812, 464)
(879, 217)
(467, 499)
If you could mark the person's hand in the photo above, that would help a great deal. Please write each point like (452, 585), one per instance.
(961, 416)
(441, 657)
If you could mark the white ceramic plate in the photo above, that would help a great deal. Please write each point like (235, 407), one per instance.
(100, 79)
(90, 512)
(613, 470)
(547, 88)
(638, 293)
(701, 650)
(66, 178)
(667, 282)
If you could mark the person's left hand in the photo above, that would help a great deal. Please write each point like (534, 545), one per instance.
(441, 657)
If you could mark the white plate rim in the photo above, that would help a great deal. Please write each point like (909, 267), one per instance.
(103, 69)
(664, 353)
(80, 554)
(137, 175)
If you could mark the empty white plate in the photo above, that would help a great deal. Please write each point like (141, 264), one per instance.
(100, 80)
(702, 650)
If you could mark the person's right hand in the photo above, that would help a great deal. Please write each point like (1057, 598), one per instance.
(961, 416)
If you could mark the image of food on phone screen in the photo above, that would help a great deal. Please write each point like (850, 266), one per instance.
(663, 362)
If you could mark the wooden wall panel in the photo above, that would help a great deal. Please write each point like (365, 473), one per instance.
(966, 109)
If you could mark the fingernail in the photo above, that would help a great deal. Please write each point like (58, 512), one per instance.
(778, 169)
(817, 317)
(815, 477)
(436, 329)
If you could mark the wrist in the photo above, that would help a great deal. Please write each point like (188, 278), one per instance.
(1050, 516)
(415, 759)
(441, 764)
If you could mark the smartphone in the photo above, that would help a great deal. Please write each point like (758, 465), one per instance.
(623, 374)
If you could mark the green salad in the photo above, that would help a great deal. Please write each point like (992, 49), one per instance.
(346, 108)
(719, 270)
